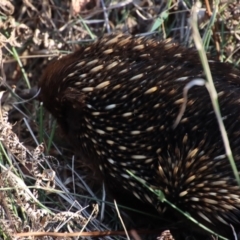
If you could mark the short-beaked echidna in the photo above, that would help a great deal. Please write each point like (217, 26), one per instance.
(117, 100)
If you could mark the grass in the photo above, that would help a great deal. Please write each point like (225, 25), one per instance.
(51, 193)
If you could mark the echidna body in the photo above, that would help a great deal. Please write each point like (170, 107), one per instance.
(117, 101)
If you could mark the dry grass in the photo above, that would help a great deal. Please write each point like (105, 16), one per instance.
(40, 193)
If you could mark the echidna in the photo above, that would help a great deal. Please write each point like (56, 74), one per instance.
(117, 100)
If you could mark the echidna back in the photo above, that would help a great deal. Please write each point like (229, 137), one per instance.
(117, 100)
